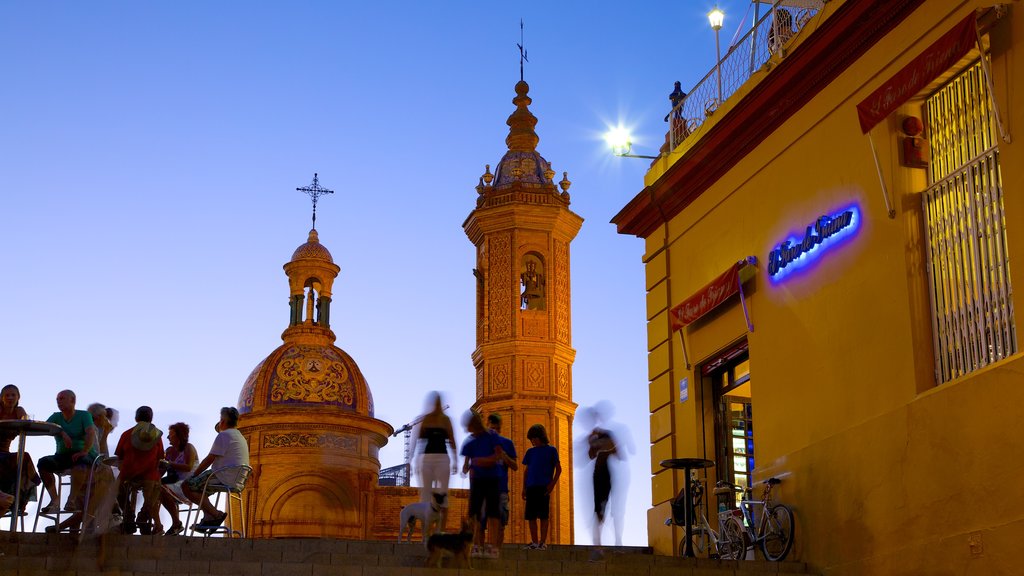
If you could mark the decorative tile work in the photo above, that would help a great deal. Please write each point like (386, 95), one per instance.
(313, 375)
(306, 440)
(245, 397)
(500, 376)
(562, 381)
(561, 271)
(536, 372)
(501, 286)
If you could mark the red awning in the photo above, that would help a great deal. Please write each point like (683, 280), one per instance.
(709, 297)
(938, 58)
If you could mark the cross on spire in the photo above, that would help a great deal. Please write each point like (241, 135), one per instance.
(315, 191)
(522, 50)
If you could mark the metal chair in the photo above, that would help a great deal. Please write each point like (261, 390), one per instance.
(63, 479)
(233, 491)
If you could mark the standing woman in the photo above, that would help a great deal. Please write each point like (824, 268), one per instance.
(10, 410)
(180, 462)
(436, 468)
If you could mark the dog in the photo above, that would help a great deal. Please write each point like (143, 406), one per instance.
(428, 513)
(458, 546)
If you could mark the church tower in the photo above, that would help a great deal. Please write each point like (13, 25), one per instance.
(522, 228)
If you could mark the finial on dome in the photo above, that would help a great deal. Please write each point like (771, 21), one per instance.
(521, 137)
(487, 177)
(313, 236)
(565, 183)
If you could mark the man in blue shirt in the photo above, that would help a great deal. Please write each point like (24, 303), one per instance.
(507, 461)
(483, 452)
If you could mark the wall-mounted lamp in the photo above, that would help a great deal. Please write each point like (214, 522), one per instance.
(621, 143)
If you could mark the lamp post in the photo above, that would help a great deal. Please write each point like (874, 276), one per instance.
(716, 17)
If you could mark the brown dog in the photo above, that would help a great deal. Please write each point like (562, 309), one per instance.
(457, 545)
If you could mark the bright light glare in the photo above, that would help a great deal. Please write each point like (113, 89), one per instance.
(619, 139)
(716, 17)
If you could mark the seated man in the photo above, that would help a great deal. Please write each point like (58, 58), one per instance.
(140, 451)
(76, 449)
(229, 449)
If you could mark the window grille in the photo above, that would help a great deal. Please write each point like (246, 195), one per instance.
(968, 264)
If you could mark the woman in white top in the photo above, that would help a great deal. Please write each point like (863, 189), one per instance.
(181, 458)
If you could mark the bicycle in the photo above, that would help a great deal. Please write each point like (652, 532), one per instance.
(705, 538)
(775, 526)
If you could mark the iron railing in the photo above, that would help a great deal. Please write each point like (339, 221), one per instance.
(768, 36)
(394, 476)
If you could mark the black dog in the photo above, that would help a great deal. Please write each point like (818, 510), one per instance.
(458, 545)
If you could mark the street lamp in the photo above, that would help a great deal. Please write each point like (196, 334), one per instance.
(716, 17)
(621, 143)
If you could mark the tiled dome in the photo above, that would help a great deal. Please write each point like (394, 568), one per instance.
(302, 375)
(312, 250)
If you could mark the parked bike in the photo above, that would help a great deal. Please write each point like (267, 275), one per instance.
(736, 531)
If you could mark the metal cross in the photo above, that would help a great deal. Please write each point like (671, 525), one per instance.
(315, 191)
(522, 50)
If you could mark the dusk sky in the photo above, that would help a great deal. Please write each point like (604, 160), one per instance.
(150, 151)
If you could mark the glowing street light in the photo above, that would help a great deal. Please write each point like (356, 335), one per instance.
(622, 143)
(716, 18)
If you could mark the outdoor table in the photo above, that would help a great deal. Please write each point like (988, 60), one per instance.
(25, 428)
(688, 464)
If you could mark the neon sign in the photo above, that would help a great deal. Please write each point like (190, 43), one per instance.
(825, 232)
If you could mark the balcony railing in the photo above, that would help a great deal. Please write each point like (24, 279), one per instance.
(767, 37)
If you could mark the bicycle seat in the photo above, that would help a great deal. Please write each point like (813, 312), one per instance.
(773, 481)
(721, 491)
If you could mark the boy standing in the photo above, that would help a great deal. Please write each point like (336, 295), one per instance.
(539, 479)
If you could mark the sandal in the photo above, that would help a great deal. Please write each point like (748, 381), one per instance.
(174, 530)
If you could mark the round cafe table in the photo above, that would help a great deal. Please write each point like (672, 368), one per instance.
(689, 465)
(25, 428)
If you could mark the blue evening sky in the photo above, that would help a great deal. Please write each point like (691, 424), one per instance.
(150, 151)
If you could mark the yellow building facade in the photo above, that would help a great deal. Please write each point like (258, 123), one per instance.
(870, 361)
(522, 228)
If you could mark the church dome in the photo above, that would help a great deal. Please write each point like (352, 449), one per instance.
(312, 250)
(299, 375)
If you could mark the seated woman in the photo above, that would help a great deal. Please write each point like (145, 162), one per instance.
(105, 420)
(10, 410)
(180, 462)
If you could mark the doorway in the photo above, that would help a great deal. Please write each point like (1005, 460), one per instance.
(729, 378)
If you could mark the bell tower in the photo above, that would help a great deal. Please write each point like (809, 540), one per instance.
(522, 228)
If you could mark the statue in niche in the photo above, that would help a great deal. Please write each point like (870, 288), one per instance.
(532, 281)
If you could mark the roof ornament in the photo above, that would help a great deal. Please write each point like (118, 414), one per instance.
(315, 191)
(522, 50)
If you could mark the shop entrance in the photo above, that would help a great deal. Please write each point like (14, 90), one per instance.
(729, 378)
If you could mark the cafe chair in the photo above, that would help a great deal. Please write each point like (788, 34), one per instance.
(63, 479)
(233, 492)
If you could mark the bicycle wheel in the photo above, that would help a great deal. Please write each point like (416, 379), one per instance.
(776, 533)
(730, 541)
(700, 542)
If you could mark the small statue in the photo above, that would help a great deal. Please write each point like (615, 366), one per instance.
(533, 284)
(676, 98)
